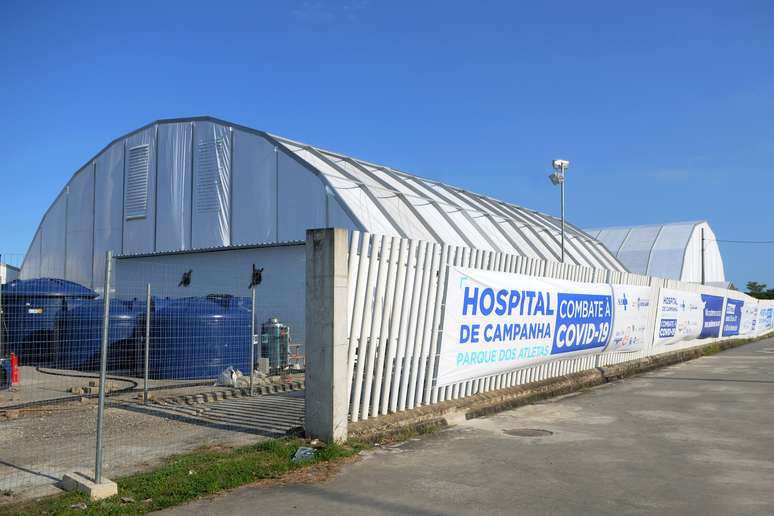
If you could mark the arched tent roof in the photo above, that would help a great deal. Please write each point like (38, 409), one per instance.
(196, 183)
(671, 251)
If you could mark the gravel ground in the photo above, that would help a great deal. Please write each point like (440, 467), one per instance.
(43, 443)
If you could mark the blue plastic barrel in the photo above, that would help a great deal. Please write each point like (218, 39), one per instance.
(80, 336)
(31, 309)
(198, 337)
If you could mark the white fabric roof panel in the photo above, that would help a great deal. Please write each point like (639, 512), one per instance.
(195, 183)
(668, 250)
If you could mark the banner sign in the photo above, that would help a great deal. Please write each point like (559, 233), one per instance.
(632, 317)
(765, 318)
(713, 313)
(733, 317)
(680, 316)
(496, 322)
(749, 317)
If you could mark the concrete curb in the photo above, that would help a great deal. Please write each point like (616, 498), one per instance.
(209, 397)
(447, 413)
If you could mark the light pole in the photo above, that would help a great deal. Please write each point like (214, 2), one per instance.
(557, 178)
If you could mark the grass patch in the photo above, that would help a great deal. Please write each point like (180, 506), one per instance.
(711, 349)
(188, 476)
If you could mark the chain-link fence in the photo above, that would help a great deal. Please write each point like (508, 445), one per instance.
(191, 357)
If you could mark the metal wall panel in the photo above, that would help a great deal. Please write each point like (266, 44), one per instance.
(254, 181)
(53, 250)
(280, 294)
(80, 227)
(108, 208)
(139, 232)
(301, 197)
(211, 205)
(173, 204)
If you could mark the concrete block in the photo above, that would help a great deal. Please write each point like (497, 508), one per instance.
(84, 483)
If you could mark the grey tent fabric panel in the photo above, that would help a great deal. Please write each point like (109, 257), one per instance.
(139, 231)
(53, 250)
(302, 199)
(31, 265)
(173, 213)
(211, 186)
(635, 251)
(666, 260)
(336, 216)
(108, 208)
(612, 238)
(254, 182)
(80, 227)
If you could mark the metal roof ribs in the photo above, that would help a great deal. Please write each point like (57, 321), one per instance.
(362, 186)
(514, 215)
(497, 224)
(400, 195)
(464, 214)
(435, 203)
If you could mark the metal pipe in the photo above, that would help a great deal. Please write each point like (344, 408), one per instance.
(702, 256)
(103, 366)
(2, 323)
(562, 194)
(252, 340)
(147, 343)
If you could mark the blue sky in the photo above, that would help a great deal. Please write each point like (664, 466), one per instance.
(666, 109)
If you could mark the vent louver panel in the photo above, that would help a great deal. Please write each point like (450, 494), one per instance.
(136, 197)
(211, 185)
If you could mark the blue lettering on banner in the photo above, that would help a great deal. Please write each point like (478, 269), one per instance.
(583, 321)
(667, 328)
(712, 314)
(733, 317)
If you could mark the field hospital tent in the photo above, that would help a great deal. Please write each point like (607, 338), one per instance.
(197, 183)
(672, 251)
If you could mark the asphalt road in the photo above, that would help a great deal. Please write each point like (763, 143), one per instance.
(695, 438)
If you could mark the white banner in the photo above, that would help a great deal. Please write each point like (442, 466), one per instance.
(632, 319)
(749, 317)
(765, 316)
(680, 316)
(496, 322)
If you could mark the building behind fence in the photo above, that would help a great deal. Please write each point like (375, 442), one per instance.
(191, 341)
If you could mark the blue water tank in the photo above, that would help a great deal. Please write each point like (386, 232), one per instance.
(198, 337)
(31, 309)
(80, 336)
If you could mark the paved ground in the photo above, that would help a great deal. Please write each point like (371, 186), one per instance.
(695, 438)
(43, 444)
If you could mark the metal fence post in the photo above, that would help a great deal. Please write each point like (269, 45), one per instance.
(252, 340)
(147, 343)
(103, 366)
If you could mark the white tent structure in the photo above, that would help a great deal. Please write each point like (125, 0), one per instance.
(201, 183)
(671, 251)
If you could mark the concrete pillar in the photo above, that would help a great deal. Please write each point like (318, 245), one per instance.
(326, 404)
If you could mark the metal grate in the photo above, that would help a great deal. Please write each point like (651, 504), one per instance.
(136, 197)
(211, 183)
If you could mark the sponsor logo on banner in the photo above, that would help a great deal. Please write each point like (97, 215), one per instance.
(631, 319)
(733, 317)
(712, 316)
(749, 318)
(496, 322)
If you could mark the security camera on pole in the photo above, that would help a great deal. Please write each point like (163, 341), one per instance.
(557, 178)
